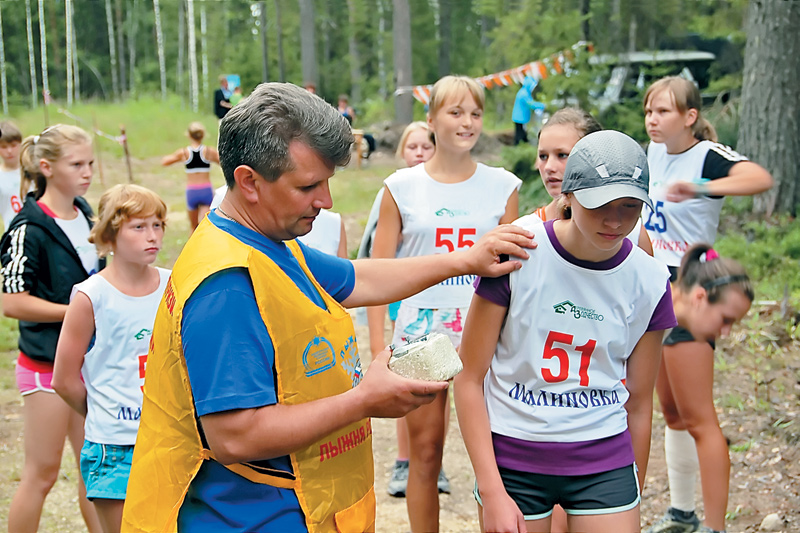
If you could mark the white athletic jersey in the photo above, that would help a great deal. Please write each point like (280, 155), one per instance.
(444, 217)
(219, 195)
(77, 231)
(674, 226)
(557, 371)
(325, 234)
(113, 369)
(535, 218)
(10, 202)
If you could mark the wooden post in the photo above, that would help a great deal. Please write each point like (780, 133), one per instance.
(97, 151)
(124, 142)
(359, 138)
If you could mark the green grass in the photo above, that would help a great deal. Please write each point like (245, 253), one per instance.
(152, 127)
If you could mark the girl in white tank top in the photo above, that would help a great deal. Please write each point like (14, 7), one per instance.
(690, 174)
(100, 364)
(440, 206)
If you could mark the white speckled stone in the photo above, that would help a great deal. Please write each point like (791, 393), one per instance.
(432, 358)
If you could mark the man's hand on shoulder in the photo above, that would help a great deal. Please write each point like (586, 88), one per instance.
(384, 394)
(483, 258)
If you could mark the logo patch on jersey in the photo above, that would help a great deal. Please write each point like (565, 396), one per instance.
(351, 362)
(142, 334)
(318, 356)
(576, 311)
(444, 212)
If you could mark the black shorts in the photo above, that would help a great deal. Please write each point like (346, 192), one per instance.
(609, 492)
(679, 334)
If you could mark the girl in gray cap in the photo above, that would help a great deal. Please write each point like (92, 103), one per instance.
(560, 357)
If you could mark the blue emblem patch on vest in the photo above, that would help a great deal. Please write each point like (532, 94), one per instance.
(351, 361)
(318, 356)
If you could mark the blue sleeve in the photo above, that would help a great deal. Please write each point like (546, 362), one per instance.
(336, 275)
(228, 351)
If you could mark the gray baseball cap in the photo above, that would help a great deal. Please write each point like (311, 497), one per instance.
(605, 166)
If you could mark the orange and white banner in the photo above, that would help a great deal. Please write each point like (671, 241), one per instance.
(553, 65)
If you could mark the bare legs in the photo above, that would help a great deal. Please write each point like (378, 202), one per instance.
(685, 392)
(426, 446)
(48, 421)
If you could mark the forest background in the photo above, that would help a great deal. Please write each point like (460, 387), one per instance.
(152, 66)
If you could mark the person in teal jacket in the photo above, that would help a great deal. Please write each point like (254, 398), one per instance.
(523, 105)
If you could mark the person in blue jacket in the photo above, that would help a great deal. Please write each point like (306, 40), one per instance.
(523, 105)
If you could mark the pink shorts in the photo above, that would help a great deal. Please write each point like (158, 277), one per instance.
(33, 376)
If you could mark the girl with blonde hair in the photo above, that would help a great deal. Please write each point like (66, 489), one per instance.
(44, 253)
(440, 206)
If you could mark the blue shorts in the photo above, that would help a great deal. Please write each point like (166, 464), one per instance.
(393, 309)
(609, 492)
(197, 196)
(105, 469)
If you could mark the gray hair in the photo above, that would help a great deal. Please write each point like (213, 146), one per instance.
(258, 130)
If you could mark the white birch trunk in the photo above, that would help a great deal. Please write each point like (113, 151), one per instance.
(43, 45)
(181, 45)
(204, 45)
(192, 53)
(3, 86)
(162, 67)
(76, 73)
(31, 55)
(132, 12)
(67, 8)
(112, 50)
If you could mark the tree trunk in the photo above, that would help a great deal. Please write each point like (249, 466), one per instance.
(204, 46)
(192, 53)
(279, 32)
(445, 37)
(181, 45)
(383, 90)
(769, 124)
(3, 85)
(262, 19)
(132, 29)
(162, 67)
(43, 52)
(67, 6)
(308, 42)
(123, 72)
(112, 50)
(76, 72)
(586, 28)
(403, 103)
(355, 58)
(31, 55)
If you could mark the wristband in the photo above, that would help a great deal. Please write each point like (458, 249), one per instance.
(701, 189)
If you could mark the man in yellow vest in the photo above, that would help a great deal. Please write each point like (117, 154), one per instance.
(255, 415)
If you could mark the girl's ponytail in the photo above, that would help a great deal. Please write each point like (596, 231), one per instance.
(32, 178)
(702, 266)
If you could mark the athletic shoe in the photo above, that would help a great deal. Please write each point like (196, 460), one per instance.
(399, 480)
(671, 523)
(443, 483)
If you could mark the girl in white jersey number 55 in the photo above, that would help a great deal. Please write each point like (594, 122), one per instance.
(560, 357)
(440, 206)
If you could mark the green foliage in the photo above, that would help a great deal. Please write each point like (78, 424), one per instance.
(8, 334)
(521, 160)
(768, 248)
